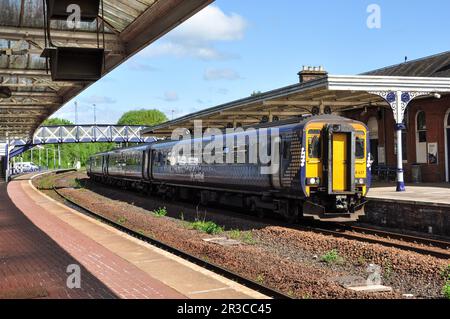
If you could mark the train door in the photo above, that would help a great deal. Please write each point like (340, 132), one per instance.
(145, 166)
(105, 160)
(340, 162)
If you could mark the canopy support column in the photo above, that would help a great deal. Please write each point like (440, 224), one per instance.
(399, 101)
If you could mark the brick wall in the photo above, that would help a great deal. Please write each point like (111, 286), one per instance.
(435, 110)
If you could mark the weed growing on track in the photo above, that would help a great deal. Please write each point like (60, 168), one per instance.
(446, 276)
(46, 182)
(446, 290)
(243, 236)
(160, 212)
(260, 279)
(210, 228)
(388, 270)
(122, 220)
(332, 257)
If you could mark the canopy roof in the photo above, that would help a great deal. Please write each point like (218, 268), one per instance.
(130, 26)
(340, 93)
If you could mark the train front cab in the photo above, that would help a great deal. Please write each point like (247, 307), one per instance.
(335, 170)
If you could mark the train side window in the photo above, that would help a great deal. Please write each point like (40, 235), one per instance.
(314, 147)
(360, 146)
(286, 149)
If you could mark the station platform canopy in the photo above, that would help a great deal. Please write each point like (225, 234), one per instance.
(130, 25)
(328, 94)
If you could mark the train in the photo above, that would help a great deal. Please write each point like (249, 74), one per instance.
(315, 168)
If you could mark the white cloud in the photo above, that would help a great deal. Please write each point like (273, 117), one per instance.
(221, 74)
(196, 37)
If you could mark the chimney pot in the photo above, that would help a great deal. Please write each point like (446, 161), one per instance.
(310, 73)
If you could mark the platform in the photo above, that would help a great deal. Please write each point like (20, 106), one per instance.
(423, 194)
(423, 208)
(40, 238)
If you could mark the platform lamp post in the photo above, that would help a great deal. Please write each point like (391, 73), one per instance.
(399, 101)
(95, 114)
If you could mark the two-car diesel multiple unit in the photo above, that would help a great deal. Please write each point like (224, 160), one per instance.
(319, 168)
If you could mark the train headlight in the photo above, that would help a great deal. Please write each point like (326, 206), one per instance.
(313, 181)
(360, 181)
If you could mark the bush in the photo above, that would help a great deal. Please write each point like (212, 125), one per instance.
(210, 228)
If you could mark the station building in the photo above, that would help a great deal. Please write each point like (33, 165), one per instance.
(426, 138)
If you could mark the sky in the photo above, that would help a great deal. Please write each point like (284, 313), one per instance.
(235, 47)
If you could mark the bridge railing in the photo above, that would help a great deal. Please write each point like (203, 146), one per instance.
(86, 134)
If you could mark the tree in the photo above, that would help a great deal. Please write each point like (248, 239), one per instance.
(143, 117)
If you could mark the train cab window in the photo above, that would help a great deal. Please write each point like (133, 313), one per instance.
(360, 146)
(314, 147)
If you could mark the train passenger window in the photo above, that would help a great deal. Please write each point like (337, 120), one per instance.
(360, 148)
(286, 149)
(314, 147)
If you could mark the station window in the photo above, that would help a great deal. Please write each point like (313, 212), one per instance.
(422, 127)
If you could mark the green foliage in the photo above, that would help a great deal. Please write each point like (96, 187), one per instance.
(160, 212)
(210, 228)
(122, 220)
(331, 257)
(260, 279)
(143, 117)
(243, 236)
(256, 93)
(45, 182)
(446, 290)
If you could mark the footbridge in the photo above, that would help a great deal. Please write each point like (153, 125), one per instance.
(68, 134)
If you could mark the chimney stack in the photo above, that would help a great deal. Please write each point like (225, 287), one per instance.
(310, 73)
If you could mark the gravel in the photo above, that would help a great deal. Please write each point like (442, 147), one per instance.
(288, 259)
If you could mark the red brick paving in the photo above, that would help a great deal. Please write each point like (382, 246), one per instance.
(32, 265)
(36, 248)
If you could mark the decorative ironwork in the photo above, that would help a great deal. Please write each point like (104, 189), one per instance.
(399, 101)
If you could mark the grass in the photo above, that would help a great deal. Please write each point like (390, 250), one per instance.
(210, 228)
(122, 220)
(160, 212)
(332, 257)
(243, 236)
(388, 270)
(260, 279)
(45, 182)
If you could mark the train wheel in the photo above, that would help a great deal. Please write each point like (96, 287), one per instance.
(293, 213)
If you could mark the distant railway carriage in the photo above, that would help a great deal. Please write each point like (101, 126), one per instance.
(322, 169)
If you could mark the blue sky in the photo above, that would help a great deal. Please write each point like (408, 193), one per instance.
(235, 47)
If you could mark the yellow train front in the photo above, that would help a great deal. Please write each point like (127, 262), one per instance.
(335, 168)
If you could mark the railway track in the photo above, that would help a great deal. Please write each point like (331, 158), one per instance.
(270, 292)
(422, 245)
